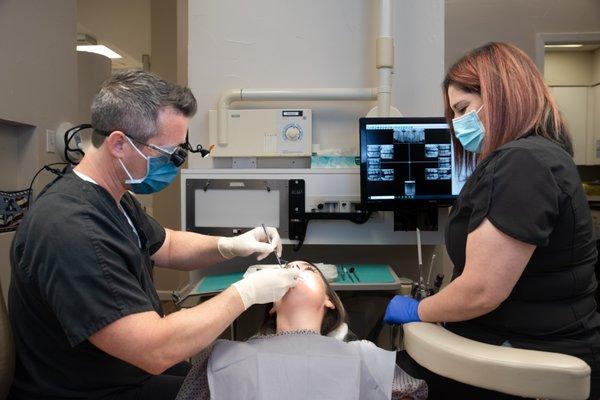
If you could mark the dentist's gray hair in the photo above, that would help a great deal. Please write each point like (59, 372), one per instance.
(130, 100)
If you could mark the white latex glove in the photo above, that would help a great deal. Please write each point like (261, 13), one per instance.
(254, 241)
(266, 285)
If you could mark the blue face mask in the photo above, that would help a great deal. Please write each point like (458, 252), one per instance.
(160, 172)
(469, 131)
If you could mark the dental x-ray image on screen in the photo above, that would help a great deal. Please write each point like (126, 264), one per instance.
(404, 159)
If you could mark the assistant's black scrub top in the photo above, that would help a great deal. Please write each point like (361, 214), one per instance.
(77, 266)
(530, 190)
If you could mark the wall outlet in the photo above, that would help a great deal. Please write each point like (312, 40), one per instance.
(50, 141)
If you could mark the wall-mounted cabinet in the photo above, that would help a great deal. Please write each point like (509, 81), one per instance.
(593, 145)
(580, 107)
(574, 78)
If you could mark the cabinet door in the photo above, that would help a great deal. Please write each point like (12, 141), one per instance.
(573, 103)
(593, 142)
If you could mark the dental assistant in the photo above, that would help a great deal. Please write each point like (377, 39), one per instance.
(86, 317)
(520, 235)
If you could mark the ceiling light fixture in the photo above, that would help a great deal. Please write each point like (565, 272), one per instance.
(557, 46)
(99, 49)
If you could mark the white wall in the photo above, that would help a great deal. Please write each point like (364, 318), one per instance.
(472, 23)
(38, 87)
(313, 43)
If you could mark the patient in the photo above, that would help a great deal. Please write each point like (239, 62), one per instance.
(294, 357)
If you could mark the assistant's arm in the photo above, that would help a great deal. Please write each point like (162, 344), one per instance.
(494, 264)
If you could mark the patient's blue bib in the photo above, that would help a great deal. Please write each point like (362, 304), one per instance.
(300, 367)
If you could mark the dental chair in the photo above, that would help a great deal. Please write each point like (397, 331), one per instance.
(7, 351)
(518, 372)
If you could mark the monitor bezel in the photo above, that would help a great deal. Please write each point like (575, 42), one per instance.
(393, 204)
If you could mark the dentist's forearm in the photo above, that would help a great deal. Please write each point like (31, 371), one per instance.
(188, 331)
(155, 344)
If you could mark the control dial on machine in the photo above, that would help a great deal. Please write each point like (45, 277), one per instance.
(292, 132)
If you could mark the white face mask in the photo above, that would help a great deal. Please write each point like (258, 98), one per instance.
(131, 178)
(160, 172)
(469, 130)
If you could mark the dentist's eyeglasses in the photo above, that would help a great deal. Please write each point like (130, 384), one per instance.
(176, 154)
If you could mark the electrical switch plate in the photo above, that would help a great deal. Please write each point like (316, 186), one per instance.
(50, 141)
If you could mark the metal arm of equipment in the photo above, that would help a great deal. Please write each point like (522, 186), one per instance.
(519, 372)
(311, 94)
(358, 217)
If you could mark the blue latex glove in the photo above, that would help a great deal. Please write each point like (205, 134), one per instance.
(402, 310)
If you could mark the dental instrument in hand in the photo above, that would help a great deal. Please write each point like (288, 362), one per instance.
(269, 241)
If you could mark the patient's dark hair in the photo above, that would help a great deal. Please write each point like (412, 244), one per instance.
(332, 319)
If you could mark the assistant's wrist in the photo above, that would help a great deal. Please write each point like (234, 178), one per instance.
(422, 310)
(417, 315)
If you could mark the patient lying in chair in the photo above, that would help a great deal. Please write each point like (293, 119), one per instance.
(294, 358)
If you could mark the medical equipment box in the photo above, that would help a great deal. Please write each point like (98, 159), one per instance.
(263, 133)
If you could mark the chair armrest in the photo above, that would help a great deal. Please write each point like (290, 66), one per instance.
(519, 372)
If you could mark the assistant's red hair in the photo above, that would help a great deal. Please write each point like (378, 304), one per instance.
(516, 100)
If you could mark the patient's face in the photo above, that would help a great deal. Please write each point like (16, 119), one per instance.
(310, 290)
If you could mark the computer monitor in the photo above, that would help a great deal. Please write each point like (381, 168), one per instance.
(407, 160)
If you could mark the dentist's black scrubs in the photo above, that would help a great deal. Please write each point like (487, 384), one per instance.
(77, 266)
(530, 190)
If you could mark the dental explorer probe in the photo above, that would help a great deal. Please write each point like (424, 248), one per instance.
(269, 241)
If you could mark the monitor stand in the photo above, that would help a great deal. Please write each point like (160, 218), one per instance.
(417, 214)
